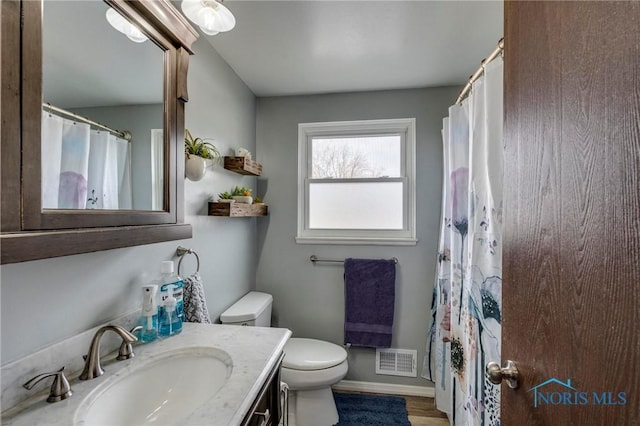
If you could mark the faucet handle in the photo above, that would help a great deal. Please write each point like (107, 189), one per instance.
(126, 349)
(60, 388)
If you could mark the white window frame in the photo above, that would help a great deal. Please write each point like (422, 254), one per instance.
(406, 127)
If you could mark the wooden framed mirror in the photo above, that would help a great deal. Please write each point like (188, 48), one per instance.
(47, 82)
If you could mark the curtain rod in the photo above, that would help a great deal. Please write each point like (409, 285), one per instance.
(467, 88)
(125, 134)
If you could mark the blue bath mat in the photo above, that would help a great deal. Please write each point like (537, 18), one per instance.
(371, 410)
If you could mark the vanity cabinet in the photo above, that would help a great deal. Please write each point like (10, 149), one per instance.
(266, 410)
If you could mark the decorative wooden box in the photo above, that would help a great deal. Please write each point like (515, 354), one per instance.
(243, 166)
(237, 209)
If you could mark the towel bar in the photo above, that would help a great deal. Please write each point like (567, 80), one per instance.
(313, 258)
(181, 251)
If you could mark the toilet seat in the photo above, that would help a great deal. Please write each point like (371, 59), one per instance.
(314, 379)
(311, 354)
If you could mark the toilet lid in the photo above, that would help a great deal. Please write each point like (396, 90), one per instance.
(311, 354)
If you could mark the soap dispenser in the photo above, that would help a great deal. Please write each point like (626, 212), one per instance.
(169, 278)
(170, 322)
(149, 318)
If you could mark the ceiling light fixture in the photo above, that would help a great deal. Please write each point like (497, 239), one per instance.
(119, 22)
(210, 15)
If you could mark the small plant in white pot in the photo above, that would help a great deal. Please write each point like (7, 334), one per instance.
(197, 152)
(242, 195)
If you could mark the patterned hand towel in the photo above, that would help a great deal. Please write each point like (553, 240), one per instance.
(369, 301)
(195, 304)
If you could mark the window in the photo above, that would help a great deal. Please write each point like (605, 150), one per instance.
(356, 182)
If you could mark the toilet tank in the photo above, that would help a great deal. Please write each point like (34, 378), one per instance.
(254, 308)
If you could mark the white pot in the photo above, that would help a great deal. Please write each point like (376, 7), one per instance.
(195, 167)
(243, 199)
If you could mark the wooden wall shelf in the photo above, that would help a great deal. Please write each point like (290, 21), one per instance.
(243, 166)
(237, 209)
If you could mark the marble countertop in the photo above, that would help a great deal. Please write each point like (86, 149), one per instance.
(254, 352)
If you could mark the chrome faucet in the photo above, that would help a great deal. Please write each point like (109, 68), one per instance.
(92, 367)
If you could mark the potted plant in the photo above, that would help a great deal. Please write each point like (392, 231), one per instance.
(225, 197)
(242, 195)
(198, 151)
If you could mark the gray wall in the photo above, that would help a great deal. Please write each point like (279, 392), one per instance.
(45, 301)
(309, 299)
(139, 120)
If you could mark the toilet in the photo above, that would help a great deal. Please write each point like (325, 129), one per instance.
(310, 367)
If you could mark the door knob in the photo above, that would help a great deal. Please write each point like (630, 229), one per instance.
(509, 373)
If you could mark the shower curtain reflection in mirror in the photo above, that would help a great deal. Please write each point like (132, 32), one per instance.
(83, 168)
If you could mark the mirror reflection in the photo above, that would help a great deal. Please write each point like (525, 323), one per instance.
(102, 118)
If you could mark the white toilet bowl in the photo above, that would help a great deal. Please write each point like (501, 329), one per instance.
(310, 367)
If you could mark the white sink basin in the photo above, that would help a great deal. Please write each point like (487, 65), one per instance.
(161, 391)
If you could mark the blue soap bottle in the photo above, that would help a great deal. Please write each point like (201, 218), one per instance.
(149, 318)
(170, 322)
(169, 278)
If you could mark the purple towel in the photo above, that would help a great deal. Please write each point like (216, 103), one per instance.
(370, 286)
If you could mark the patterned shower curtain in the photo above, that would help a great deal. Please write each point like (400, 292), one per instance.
(467, 300)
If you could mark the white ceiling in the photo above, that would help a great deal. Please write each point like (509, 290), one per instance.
(279, 48)
(306, 47)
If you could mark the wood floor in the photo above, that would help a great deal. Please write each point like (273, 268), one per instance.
(423, 412)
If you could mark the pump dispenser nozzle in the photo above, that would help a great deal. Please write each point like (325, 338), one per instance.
(170, 323)
(170, 302)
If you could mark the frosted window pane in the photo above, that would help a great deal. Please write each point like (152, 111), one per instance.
(356, 157)
(363, 205)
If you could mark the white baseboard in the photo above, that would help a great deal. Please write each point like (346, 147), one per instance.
(386, 388)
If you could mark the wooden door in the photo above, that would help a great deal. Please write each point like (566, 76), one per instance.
(571, 292)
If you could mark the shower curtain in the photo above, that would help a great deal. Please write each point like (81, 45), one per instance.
(467, 300)
(83, 168)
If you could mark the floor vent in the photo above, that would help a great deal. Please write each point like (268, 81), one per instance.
(396, 362)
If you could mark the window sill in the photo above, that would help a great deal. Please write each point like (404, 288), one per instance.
(358, 241)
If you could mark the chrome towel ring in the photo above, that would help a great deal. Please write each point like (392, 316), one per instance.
(181, 251)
